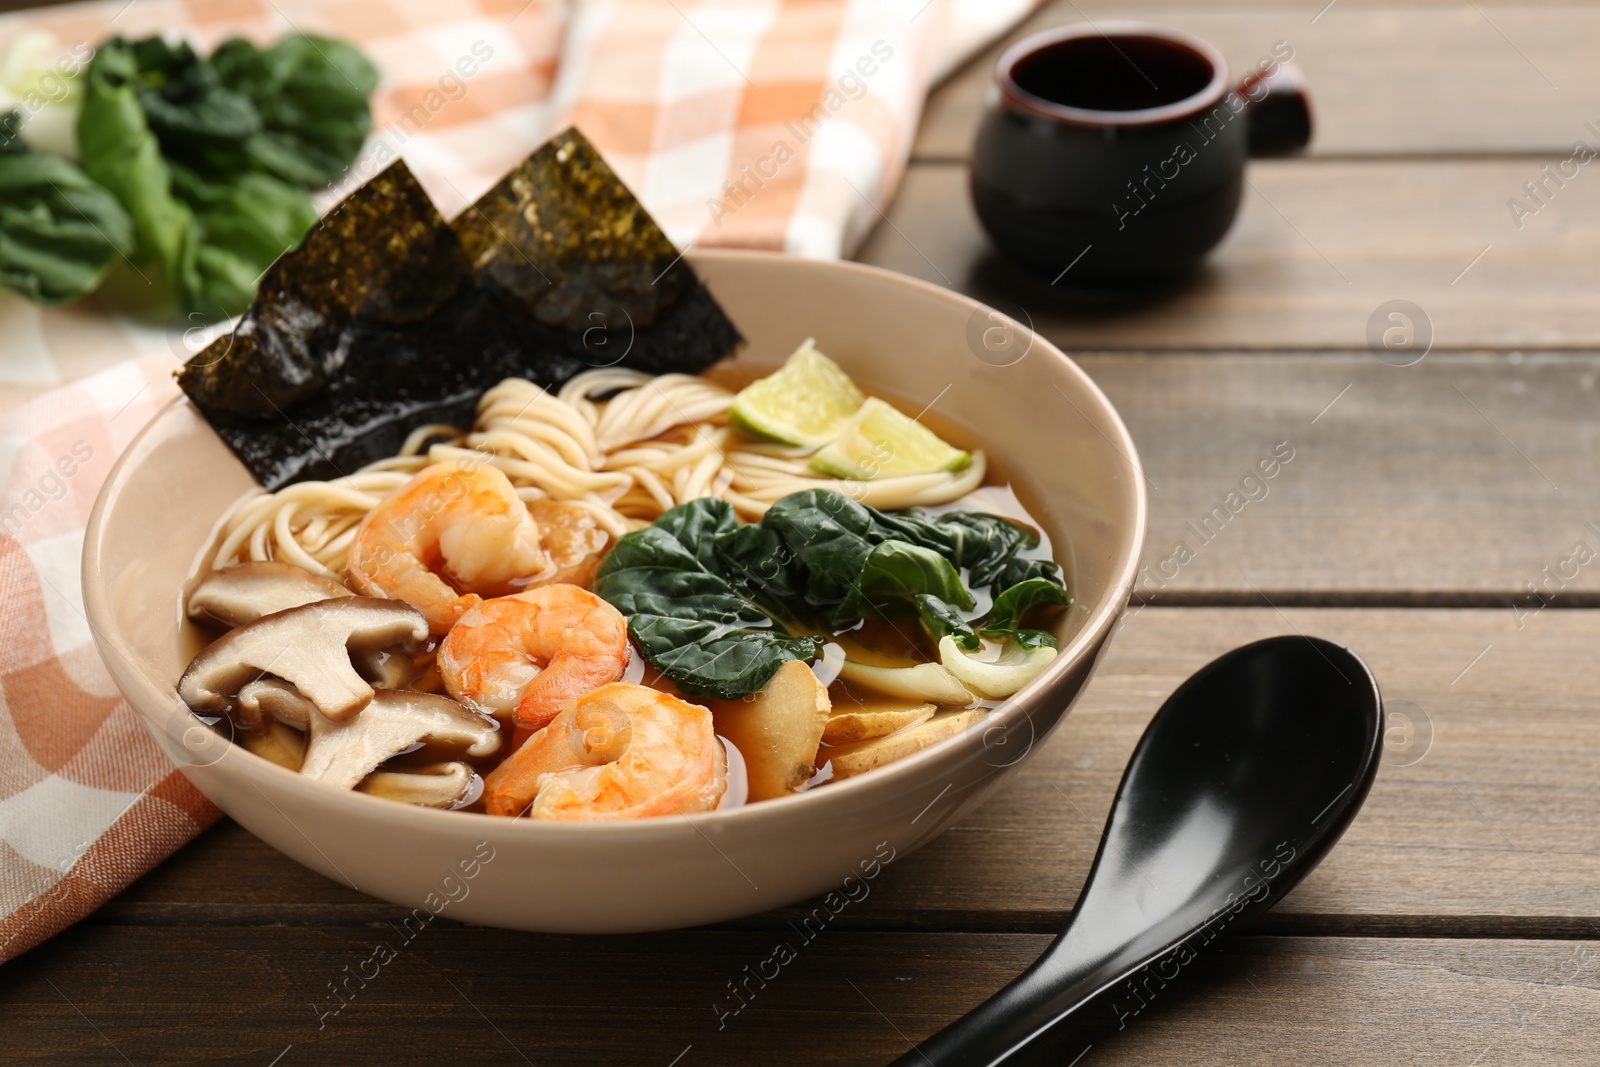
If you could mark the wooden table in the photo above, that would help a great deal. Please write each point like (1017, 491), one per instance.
(1430, 519)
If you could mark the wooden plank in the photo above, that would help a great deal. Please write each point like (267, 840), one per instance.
(1317, 248)
(1459, 480)
(1484, 823)
(1488, 826)
(844, 998)
(1444, 78)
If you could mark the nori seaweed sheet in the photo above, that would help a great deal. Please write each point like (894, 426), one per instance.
(386, 318)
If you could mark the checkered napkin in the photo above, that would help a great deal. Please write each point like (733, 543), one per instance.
(777, 124)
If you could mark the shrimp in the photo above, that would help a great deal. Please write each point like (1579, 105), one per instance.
(457, 532)
(571, 538)
(623, 751)
(533, 651)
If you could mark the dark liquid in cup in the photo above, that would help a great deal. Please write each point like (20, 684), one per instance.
(1117, 73)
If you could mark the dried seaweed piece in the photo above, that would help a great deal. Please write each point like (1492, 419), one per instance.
(566, 241)
(384, 253)
(563, 235)
(386, 319)
(396, 377)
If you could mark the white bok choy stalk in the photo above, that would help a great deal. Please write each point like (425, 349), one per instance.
(993, 672)
(996, 670)
(39, 82)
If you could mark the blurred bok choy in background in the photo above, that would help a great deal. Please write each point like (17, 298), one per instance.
(146, 151)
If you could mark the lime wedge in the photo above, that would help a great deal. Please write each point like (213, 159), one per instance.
(804, 403)
(880, 442)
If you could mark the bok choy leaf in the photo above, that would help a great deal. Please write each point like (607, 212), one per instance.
(59, 230)
(714, 605)
(691, 622)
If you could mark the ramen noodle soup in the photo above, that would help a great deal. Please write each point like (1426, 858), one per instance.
(631, 596)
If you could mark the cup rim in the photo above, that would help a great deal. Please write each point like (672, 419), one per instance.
(1189, 106)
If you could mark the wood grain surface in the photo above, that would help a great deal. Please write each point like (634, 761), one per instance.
(468, 995)
(1318, 246)
(1386, 79)
(1460, 480)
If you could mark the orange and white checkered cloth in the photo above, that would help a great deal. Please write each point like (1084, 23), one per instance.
(777, 124)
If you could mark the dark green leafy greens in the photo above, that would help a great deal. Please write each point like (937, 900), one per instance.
(717, 606)
(242, 223)
(210, 157)
(1015, 602)
(705, 632)
(198, 120)
(311, 95)
(59, 230)
(121, 153)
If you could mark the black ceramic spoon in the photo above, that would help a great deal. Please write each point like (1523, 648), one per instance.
(1242, 783)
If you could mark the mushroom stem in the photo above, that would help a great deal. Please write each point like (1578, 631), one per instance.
(444, 786)
(343, 753)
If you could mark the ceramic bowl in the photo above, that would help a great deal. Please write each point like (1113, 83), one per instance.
(1050, 431)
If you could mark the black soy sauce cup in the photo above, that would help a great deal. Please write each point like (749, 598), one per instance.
(1113, 154)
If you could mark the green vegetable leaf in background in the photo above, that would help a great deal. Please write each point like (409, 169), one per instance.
(209, 157)
(59, 231)
(121, 153)
(172, 142)
(312, 95)
(710, 602)
(242, 224)
(198, 120)
(10, 132)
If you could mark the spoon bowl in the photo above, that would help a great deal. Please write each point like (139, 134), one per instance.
(1243, 781)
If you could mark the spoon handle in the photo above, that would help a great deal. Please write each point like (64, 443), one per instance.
(1038, 1000)
(1073, 980)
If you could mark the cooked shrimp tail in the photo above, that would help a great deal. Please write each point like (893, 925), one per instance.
(454, 531)
(623, 751)
(534, 651)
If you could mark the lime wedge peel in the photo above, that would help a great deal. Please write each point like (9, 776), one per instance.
(880, 441)
(806, 402)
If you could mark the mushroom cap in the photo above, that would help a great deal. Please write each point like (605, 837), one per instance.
(243, 593)
(310, 647)
(344, 753)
